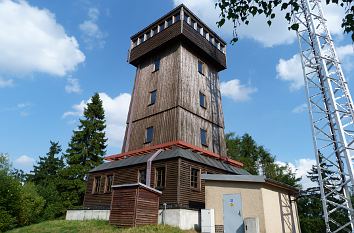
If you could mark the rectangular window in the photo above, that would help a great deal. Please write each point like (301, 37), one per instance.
(142, 176)
(169, 22)
(108, 185)
(156, 64)
(199, 29)
(202, 102)
(141, 39)
(160, 177)
(192, 23)
(177, 17)
(195, 178)
(162, 26)
(203, 137)
(154, 31)
(148, 35)
(149, 134)
(152, 97)
(96, 185)
(200, 67)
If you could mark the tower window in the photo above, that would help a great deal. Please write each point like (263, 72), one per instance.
(203, 137)
(162, 26)
(160, 177)
(154, 31)
(202, 102)
(156, 64)
(149, 134)
(152, 97)
(142, 176)
(195, 178)
(169, 22)
(177, 16)
(200, 67)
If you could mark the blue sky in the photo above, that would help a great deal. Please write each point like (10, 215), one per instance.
(56, 54)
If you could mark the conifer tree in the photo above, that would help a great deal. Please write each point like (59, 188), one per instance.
(86, 150)
(48, 167)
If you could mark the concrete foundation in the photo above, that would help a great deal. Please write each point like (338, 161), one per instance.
(87, 214)
(182, 218)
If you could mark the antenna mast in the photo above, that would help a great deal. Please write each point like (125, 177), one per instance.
(331, 113)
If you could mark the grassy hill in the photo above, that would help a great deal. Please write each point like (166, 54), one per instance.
(93, 226)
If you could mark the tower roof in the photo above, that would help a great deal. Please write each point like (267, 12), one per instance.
(178, 25)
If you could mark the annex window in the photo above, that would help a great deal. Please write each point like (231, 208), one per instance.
(203, 137)
(160, 177)
(142, 176)
(200, 67)
(195, 177)
(149, 134)
(108, 184)
(156, 64)
(152, 97)
(96, 184)
(202, 101)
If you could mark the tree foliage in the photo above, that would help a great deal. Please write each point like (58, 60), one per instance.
(257, 160)
(242, 11)
(85, 151)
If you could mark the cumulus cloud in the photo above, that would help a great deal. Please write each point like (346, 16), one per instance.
(32, 41)
(73, 86)
(6, 82)
(258, 29)
(91, 32)
(236, 91)
(300, 168)
(291, 70)
(116, 111)
(24, 161)
(300, 108)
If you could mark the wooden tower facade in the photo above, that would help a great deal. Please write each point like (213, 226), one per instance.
(176, 95)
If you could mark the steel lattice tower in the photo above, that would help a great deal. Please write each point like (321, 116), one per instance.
(331, 113)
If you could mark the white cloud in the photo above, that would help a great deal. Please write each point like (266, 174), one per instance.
(291, 71)
(300, 108)
(92, 34)
(24, 161)
(32, 41)
(116, 111)
(6, 82)
(300, 168)
(73, 86)
(258, 29)
(236, 91)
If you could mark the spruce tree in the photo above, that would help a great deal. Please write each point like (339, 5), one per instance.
(86, 150)
(48, 167)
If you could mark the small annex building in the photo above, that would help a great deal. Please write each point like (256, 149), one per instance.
(248, 203)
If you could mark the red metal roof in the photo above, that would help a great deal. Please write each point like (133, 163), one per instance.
(168, 146)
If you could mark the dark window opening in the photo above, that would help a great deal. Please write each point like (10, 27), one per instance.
(200, 67)
(162, 26)
(169, 22)
(97, 184)
(195, 178)
(160, 177)
(156, 64)
(109, 182)
(177, 16)
(202, 102)
(203, 137)
(199, 29)
(149, 134)
(152, 97)
(142, 176)
(192, 23)
(196, 205)
(148, 35)
(141, 39)
(186, 18)
(154, 31)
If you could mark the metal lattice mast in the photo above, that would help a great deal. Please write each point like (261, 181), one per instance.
(331, 114)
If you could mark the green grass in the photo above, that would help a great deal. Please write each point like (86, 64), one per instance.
(93, 226)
